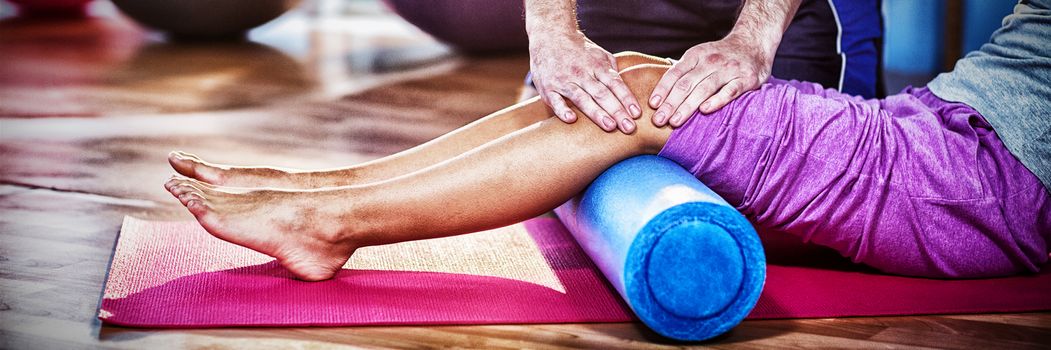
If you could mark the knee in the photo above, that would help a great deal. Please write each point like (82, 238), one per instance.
(641, 79)
(647, 138)
(628, 59)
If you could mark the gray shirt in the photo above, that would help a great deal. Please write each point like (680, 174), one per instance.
(1008, 81)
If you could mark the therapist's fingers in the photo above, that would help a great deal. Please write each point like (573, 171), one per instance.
(669, 110)
(620, 88)
(559, 107)
(543, 95)
(627, 99)
(727, 93)
(686, 108)
(605, 98)
(703, 90)
(556, 103)
(667, 81)
(582, 99)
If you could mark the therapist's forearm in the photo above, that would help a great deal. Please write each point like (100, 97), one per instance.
(763, 23)
(545, 18)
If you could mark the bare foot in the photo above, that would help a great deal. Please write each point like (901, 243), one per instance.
(194, 167)
(303, 230)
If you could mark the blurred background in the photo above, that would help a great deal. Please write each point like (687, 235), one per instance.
(924, 38)
(199, 55)
(88, 57)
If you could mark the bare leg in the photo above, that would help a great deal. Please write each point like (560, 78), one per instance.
(475, 134)
(513, 178)
(472, 135)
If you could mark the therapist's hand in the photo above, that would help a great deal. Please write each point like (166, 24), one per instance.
(568, 66)
(709, 76)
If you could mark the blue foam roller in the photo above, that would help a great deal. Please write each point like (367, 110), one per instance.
(690, 265)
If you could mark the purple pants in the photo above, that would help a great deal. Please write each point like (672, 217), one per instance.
(910, 184)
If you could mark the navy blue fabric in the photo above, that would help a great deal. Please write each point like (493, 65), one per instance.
(690, 265)
(861, 46)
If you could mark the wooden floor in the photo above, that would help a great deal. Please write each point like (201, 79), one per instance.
(90, 108)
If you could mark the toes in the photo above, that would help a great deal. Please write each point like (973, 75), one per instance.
(181, 189)
(186, 197)
(177, 182)
(197, 207)
(206, 217)
(192, 166)
(209, 220)
(178, 187)
(171, 183)
(183, 163)
(174, 184)
(188, 189)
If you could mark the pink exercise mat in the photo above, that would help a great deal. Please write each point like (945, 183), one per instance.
(173, 274)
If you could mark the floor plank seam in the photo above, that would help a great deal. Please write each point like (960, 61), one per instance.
(94, 197)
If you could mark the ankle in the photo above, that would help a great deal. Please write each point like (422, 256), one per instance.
(350, 223)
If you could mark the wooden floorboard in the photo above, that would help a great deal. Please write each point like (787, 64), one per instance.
(83, 141)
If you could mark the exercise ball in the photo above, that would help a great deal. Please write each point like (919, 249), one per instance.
(472, 26)
(204, 19)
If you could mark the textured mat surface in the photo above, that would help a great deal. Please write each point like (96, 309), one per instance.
(173, 274)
